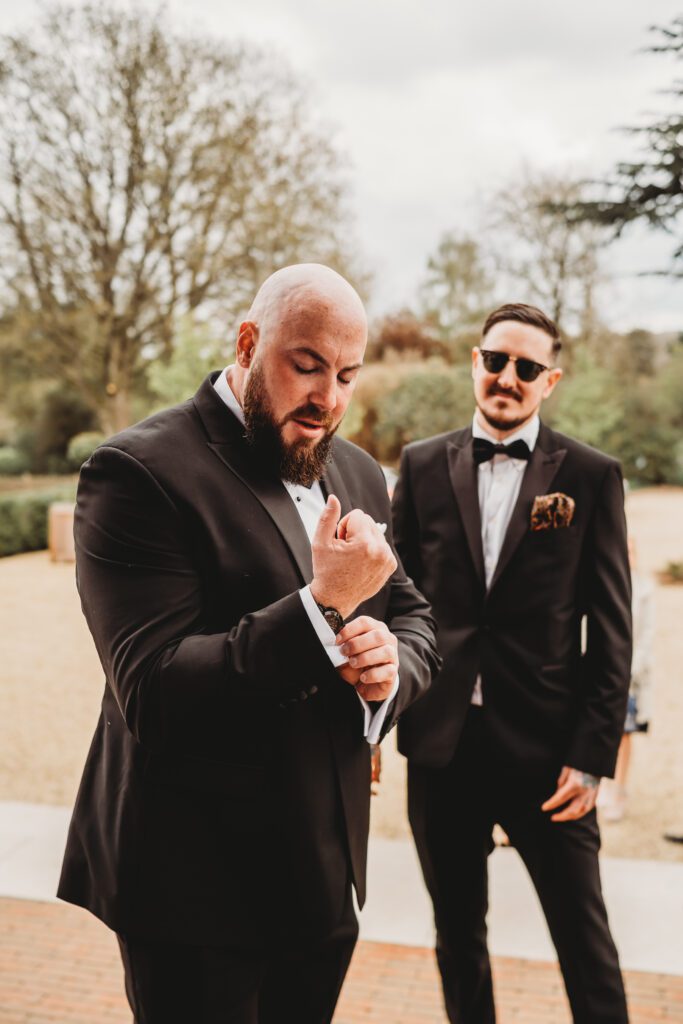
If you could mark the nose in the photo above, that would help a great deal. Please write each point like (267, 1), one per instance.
(507, 376)
(324, 392)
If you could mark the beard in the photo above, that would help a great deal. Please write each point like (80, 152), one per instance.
(503, 422)
(301, 462)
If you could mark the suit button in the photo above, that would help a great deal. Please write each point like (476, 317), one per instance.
(312, 690)
(303, 695)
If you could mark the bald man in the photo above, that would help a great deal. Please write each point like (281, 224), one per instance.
(256, 634)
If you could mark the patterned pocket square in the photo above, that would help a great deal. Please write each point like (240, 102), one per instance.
(551, 511)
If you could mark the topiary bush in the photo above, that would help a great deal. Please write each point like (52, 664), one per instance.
(23, 519)
(12, 461)
(81, 447)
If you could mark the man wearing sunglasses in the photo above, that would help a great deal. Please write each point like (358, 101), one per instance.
(516, 536)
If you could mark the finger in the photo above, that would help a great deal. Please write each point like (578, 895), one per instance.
(326, 530)
(362, 624)
(564, 775)
(384, 655)
(578, 807)
(349, 675)
(559, 797)
(374, 691)
(378, 674)
(366, 641)
(341, 528)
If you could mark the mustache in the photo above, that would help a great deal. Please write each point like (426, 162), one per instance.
(313, 413)
(495, 389)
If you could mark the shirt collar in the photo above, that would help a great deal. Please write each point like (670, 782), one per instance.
(224, 391)
(528, 433)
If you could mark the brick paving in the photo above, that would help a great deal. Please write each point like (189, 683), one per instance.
(58, 965)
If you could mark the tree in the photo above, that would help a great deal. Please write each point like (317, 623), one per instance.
(145, 175)
(649, 189)
(549, 259)
(458, 291)
(404, 335)
(423, 404)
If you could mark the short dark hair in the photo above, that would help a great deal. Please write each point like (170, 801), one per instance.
(524, 314)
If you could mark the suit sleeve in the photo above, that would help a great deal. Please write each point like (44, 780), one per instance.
(142, 596)
(410, 619)
(606, 664)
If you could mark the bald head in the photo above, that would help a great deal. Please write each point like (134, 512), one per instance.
(298, 356)
(308, 290)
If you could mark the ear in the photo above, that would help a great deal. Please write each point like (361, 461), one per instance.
(553, 380)
(247, 337)
(475, 359)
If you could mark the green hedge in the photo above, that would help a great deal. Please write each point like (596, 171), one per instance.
(12, 461)
(23, 519)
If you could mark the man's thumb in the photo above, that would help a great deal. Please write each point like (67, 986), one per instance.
(326, 530)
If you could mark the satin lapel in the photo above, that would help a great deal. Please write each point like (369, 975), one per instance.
(275, 499)
(462, 470)
(537, 479)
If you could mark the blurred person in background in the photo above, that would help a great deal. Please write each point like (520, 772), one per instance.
(612, 800)
(515, 534)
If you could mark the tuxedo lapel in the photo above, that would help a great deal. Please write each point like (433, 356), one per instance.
(226, 440)
(538, 476)
(462, 470)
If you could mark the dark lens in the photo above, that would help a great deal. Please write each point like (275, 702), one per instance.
(494, 361)
(528, 370)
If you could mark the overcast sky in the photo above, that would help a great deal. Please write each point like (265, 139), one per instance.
(438, 103)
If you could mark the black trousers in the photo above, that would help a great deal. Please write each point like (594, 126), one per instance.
(452, 812)
(174, 984)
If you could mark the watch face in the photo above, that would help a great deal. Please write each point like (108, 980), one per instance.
(333, 619)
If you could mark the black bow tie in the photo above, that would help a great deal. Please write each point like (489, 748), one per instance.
(483, 450)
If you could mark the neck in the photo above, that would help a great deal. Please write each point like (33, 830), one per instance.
(235, 379)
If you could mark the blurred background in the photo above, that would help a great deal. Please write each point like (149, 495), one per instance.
(156, 164)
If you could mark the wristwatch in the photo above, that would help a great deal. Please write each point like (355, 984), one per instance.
(332, 617)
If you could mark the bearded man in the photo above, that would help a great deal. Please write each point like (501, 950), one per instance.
(253, 645)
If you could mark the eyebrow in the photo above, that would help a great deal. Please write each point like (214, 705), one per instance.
(304, 350)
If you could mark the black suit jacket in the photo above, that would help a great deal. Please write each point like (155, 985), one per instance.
(546, 703)
(225, 798)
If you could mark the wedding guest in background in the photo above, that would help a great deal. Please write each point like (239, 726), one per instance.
(515, 534)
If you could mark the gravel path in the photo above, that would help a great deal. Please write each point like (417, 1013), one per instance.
(51, 685)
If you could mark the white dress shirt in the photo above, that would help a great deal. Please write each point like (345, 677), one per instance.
(499, 481)
(309, 503)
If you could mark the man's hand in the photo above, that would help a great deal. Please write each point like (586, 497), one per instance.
(579, 788)
(352, 565)
(373, 657)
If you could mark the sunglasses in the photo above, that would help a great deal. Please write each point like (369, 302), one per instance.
(526, 369)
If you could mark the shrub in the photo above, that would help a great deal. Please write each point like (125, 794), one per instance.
(81, 447)
(12, 461)
(427, 403)
(23, 519)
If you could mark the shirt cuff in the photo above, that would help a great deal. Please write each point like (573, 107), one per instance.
(323, 631)
(372, 725)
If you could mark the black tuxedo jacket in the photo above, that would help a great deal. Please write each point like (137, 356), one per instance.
(547, 701)
(225, 798)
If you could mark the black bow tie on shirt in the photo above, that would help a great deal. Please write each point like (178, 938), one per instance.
(483, 450)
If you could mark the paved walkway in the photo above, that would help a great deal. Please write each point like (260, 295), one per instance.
(60, 966)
